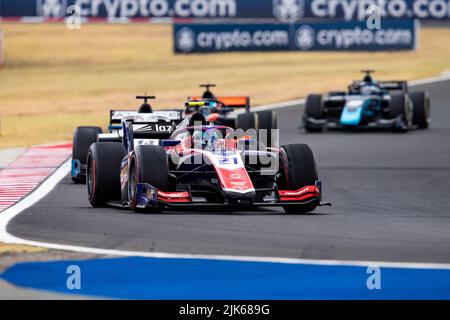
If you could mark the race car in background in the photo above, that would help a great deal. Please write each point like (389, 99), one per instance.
(219, 110)
(157, 124)
(369, 104)
(233, 112)
(203, 165)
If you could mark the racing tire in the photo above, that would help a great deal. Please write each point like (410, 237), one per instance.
(313, 109)
(83, 137)
(337, 93)
(246, 121)
(149, 164)
(103, 172)
(400, 106)
(298, 169)
(267, 120)
(421, 102)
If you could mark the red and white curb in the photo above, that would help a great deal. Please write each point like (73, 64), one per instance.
(29, 170)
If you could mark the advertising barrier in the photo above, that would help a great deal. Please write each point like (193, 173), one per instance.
(282, 10)
(315, 36)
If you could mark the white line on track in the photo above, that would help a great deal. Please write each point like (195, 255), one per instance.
(50, 183)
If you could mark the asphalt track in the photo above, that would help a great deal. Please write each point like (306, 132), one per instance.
(391, 197)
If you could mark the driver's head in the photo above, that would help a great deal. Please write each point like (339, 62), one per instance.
(208, 95)
(145, 108)
(368, 78)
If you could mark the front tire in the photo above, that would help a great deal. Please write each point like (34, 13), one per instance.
(149, 164)
(297, 169)
(400, 107)
(103, 172)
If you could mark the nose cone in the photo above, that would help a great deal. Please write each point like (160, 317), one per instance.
(237, 195)
(352, 114)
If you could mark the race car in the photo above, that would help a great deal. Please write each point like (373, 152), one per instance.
(232, 112)
(369, 104)
(203, 165)
(158, 124)
(220, 109)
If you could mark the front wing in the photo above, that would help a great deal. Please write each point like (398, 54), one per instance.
(381, 123)
(150, 197)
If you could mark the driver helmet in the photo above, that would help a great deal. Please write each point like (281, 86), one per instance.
(369, 89)
(368, 79)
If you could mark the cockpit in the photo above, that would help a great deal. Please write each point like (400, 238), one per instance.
(365, 88)
(210, 138)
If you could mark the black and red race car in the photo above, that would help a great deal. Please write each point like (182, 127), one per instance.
(234, 112)
(231, 111)
(200, 165)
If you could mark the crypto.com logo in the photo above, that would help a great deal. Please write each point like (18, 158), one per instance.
(288, 10)
(185, 39)
(305, 38)
(51, 8)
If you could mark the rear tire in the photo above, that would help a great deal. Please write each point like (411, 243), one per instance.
(246, 121)
(267, 120)
(421, 102)
(149, 164)
(298, 169)
(314, 110)
(83, 137)
(103, 172)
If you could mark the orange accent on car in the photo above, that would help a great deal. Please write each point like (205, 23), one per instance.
(229, 101)
(213, 117)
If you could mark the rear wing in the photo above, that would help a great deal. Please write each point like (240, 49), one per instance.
(116, 116)
(394, 85)
(232, 102)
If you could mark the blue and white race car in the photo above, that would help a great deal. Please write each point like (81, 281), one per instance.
(158, 124)
(369, 104)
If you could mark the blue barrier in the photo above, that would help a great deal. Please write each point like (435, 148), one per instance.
(283, 10)
(315, 36)
(186, 279)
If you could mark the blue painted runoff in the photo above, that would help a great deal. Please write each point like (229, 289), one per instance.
(195, 279)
